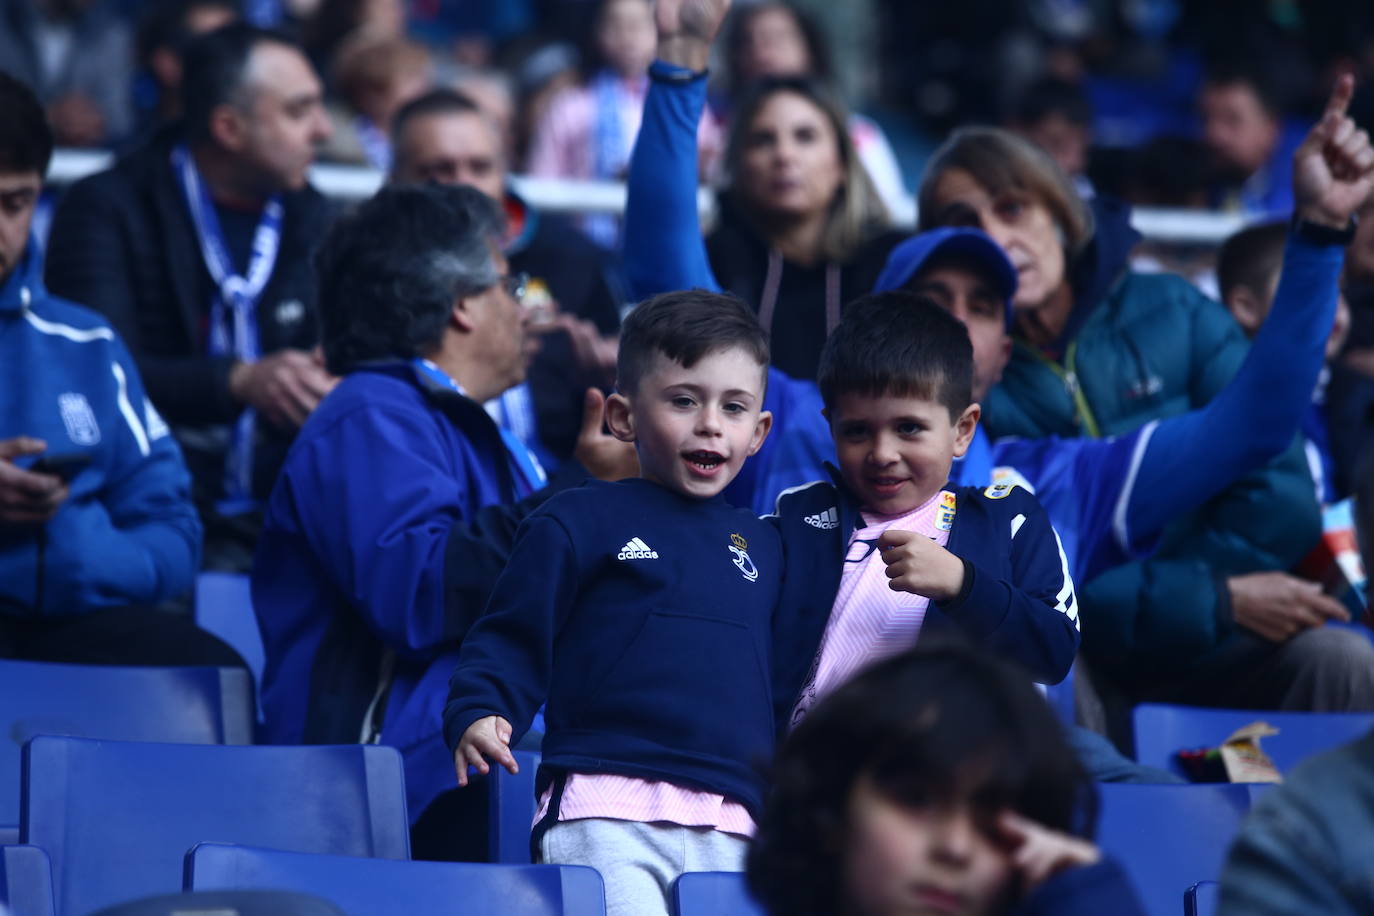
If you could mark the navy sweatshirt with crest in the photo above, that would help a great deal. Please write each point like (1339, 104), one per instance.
(643, 618)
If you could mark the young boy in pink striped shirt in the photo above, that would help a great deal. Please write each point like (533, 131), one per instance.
(891, 549)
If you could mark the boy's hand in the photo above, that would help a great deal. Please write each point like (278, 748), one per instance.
(918, 565)
(487, 737)
(1333, 169)
(686, 29)
(1039, 853)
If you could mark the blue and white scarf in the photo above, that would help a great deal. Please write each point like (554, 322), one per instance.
(233, 315)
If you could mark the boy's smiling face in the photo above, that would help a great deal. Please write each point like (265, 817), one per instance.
(693, 427)
(895, 451)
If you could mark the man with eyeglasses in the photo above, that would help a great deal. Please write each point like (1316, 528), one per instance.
(396, 508)
(445, 138)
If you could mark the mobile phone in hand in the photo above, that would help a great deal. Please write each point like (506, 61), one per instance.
(65, 466)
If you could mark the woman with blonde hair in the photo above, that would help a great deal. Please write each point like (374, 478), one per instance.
(801, 228)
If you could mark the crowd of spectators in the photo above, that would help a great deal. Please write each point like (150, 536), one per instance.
(212, 366)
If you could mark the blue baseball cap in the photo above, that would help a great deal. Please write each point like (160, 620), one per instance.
(909, 257)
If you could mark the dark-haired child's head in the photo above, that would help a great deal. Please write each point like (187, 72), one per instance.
(1248, 268)
(690, 379)
(26, 143)
(895, 783)
(897, 380)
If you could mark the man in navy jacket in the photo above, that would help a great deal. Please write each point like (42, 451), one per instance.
(89, 545)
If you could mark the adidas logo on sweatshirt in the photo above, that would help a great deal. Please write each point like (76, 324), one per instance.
(635, 549)
(824, 520)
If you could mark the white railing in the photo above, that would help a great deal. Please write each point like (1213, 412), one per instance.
(563, 196)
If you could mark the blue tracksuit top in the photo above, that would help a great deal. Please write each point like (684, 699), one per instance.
(380, 543)
(128, 533)
(644, 617)
(1018, 598)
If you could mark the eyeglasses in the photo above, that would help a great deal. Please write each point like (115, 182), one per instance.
(870, 543)
(516, 285)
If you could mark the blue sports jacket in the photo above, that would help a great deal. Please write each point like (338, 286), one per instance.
(1108, 498)
(393, 516)
(128, 533)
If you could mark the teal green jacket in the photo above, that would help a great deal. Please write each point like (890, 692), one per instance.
(1142, 347)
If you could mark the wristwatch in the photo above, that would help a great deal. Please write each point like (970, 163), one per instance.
(1318, 234)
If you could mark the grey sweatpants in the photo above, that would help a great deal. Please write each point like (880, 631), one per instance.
(639, 861)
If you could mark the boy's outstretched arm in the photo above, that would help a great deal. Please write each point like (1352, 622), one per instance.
(1253, 419)
(664, 248)
(506, 661)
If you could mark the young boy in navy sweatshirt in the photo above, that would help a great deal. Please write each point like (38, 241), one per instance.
(641, 610)
(891, 549)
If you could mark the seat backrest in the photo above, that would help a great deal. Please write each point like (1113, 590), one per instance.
(25, 881)
(511, 810)
(1202, 899)
(384, 887)
(224, 606)
(1163, 730)
(1169, 837)
(188, 705)
(226, 903)
(117, 817)
(713, 893)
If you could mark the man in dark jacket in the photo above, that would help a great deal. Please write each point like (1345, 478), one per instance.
(444, 137)
(197, 248)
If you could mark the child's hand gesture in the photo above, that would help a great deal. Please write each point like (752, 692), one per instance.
(487, 737)
(1039, 853)
(918, 565)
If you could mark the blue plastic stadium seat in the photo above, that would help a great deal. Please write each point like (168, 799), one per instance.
(117, 817)
(189, 705)
(1169, 837)
(1162, 730)
(226, 903)
(1201, 899)
(26, 881)
(713, 893)
(224, 606)
(511, 810)
(382, 887)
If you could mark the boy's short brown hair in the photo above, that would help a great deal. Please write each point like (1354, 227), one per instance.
(685, 326)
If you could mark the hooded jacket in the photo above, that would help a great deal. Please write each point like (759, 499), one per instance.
(797, 326)
(1142, 347)
(128, 533)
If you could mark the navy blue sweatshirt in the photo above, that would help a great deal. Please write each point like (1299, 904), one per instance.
(644, 618)
(1017, 599)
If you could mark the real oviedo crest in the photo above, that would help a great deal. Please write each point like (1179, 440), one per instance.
(739, 547)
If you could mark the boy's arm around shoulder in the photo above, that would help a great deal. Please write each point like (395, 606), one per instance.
(1032, 616)
(506, 661)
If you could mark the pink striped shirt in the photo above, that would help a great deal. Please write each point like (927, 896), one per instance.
(625, 798)
(869, 621)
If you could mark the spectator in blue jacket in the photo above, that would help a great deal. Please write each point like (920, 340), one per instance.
(393, 513)
(96, 522)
